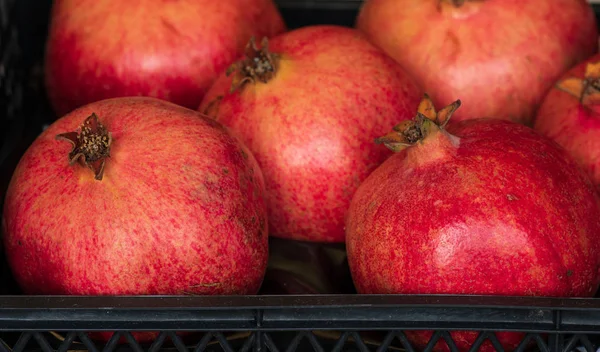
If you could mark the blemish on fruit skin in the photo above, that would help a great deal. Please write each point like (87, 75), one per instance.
(372, 206)
(244, 154)
(212, 284)
(167, 23)
(452, 46)
(511, 197)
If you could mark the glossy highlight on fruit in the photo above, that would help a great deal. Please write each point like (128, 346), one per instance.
(307, 103)
(481, 207)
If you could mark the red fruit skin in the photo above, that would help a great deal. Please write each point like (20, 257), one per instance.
(507, 212)
(311, 128)
(180, 208)
(171, 50)
(511, 50)
(574, 126)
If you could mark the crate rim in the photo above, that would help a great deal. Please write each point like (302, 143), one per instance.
(300, 313)
(294, 301)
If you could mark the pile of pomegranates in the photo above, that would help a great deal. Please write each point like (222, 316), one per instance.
(190, 131)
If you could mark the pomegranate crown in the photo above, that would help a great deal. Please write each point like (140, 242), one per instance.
(91, 146)
(586, 89)
(410, 132)
(259, 65)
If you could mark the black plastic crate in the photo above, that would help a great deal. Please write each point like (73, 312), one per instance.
(292, 323)
(241, 323)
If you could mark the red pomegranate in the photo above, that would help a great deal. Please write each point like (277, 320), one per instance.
(486, 207)
(172, 50)
(139, 196)
(307, 104)
(509, 51)
(570, 115)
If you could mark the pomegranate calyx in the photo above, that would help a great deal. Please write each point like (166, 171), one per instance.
(584, 89)
(259, 65)
(427, 120)
(91, 146)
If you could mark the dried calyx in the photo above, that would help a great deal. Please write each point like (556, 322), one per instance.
(586, 89)
(427, 121)
(91, 146)
(259, 65)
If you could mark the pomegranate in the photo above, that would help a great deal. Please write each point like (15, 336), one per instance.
(306, 103)
(570, 115)
(139, 196)
(171, 50)
(509, 51)
(483, 207)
